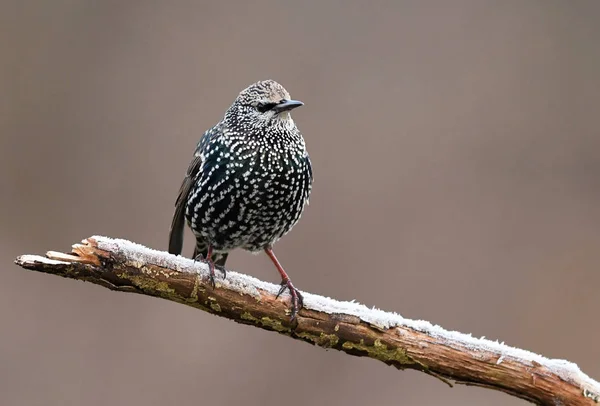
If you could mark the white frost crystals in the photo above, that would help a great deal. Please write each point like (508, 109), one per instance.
(137, 253)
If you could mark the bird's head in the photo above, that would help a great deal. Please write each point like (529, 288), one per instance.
(266, 103)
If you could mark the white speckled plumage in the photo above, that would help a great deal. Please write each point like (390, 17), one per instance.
(255, 176)
(249, 180)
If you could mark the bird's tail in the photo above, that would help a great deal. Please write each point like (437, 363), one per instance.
(176, 232)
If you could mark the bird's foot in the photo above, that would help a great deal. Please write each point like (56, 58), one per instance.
(297, 299)
(222, 269)
(211, 268)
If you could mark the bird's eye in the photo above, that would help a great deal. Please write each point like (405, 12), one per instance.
(264, 107)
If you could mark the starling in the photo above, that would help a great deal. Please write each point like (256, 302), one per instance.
(248, 182)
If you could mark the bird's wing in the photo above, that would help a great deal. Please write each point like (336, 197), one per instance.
(176, 232)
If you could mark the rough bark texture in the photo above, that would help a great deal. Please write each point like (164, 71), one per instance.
(450, 356)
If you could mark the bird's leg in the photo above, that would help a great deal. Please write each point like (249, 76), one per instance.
(210, 263)
(286, 283)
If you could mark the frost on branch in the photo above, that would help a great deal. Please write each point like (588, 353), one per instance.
(346, 326)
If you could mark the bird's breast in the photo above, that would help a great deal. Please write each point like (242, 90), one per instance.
(247, 195)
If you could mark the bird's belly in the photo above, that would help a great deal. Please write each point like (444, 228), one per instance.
(246, 212)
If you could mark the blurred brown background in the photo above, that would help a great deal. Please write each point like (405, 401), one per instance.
(457, 179)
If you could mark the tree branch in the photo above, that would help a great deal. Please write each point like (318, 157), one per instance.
(346, 326)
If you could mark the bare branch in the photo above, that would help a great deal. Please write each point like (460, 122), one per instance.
(346, 326)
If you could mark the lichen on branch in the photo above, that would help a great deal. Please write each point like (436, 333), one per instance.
(353, 328)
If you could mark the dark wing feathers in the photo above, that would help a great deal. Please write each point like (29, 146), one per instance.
(178, 222)
(176, 232)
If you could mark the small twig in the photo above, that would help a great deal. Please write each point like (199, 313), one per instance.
(124, 266)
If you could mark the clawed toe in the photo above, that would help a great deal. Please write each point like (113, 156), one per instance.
(296, 296)
(211, 268)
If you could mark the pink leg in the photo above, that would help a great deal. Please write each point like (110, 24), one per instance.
(286, 283)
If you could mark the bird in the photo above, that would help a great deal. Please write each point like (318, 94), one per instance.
(248, 183)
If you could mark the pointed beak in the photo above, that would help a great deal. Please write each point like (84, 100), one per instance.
(287, 105)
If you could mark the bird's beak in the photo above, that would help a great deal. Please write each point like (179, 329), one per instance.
(287, 105)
